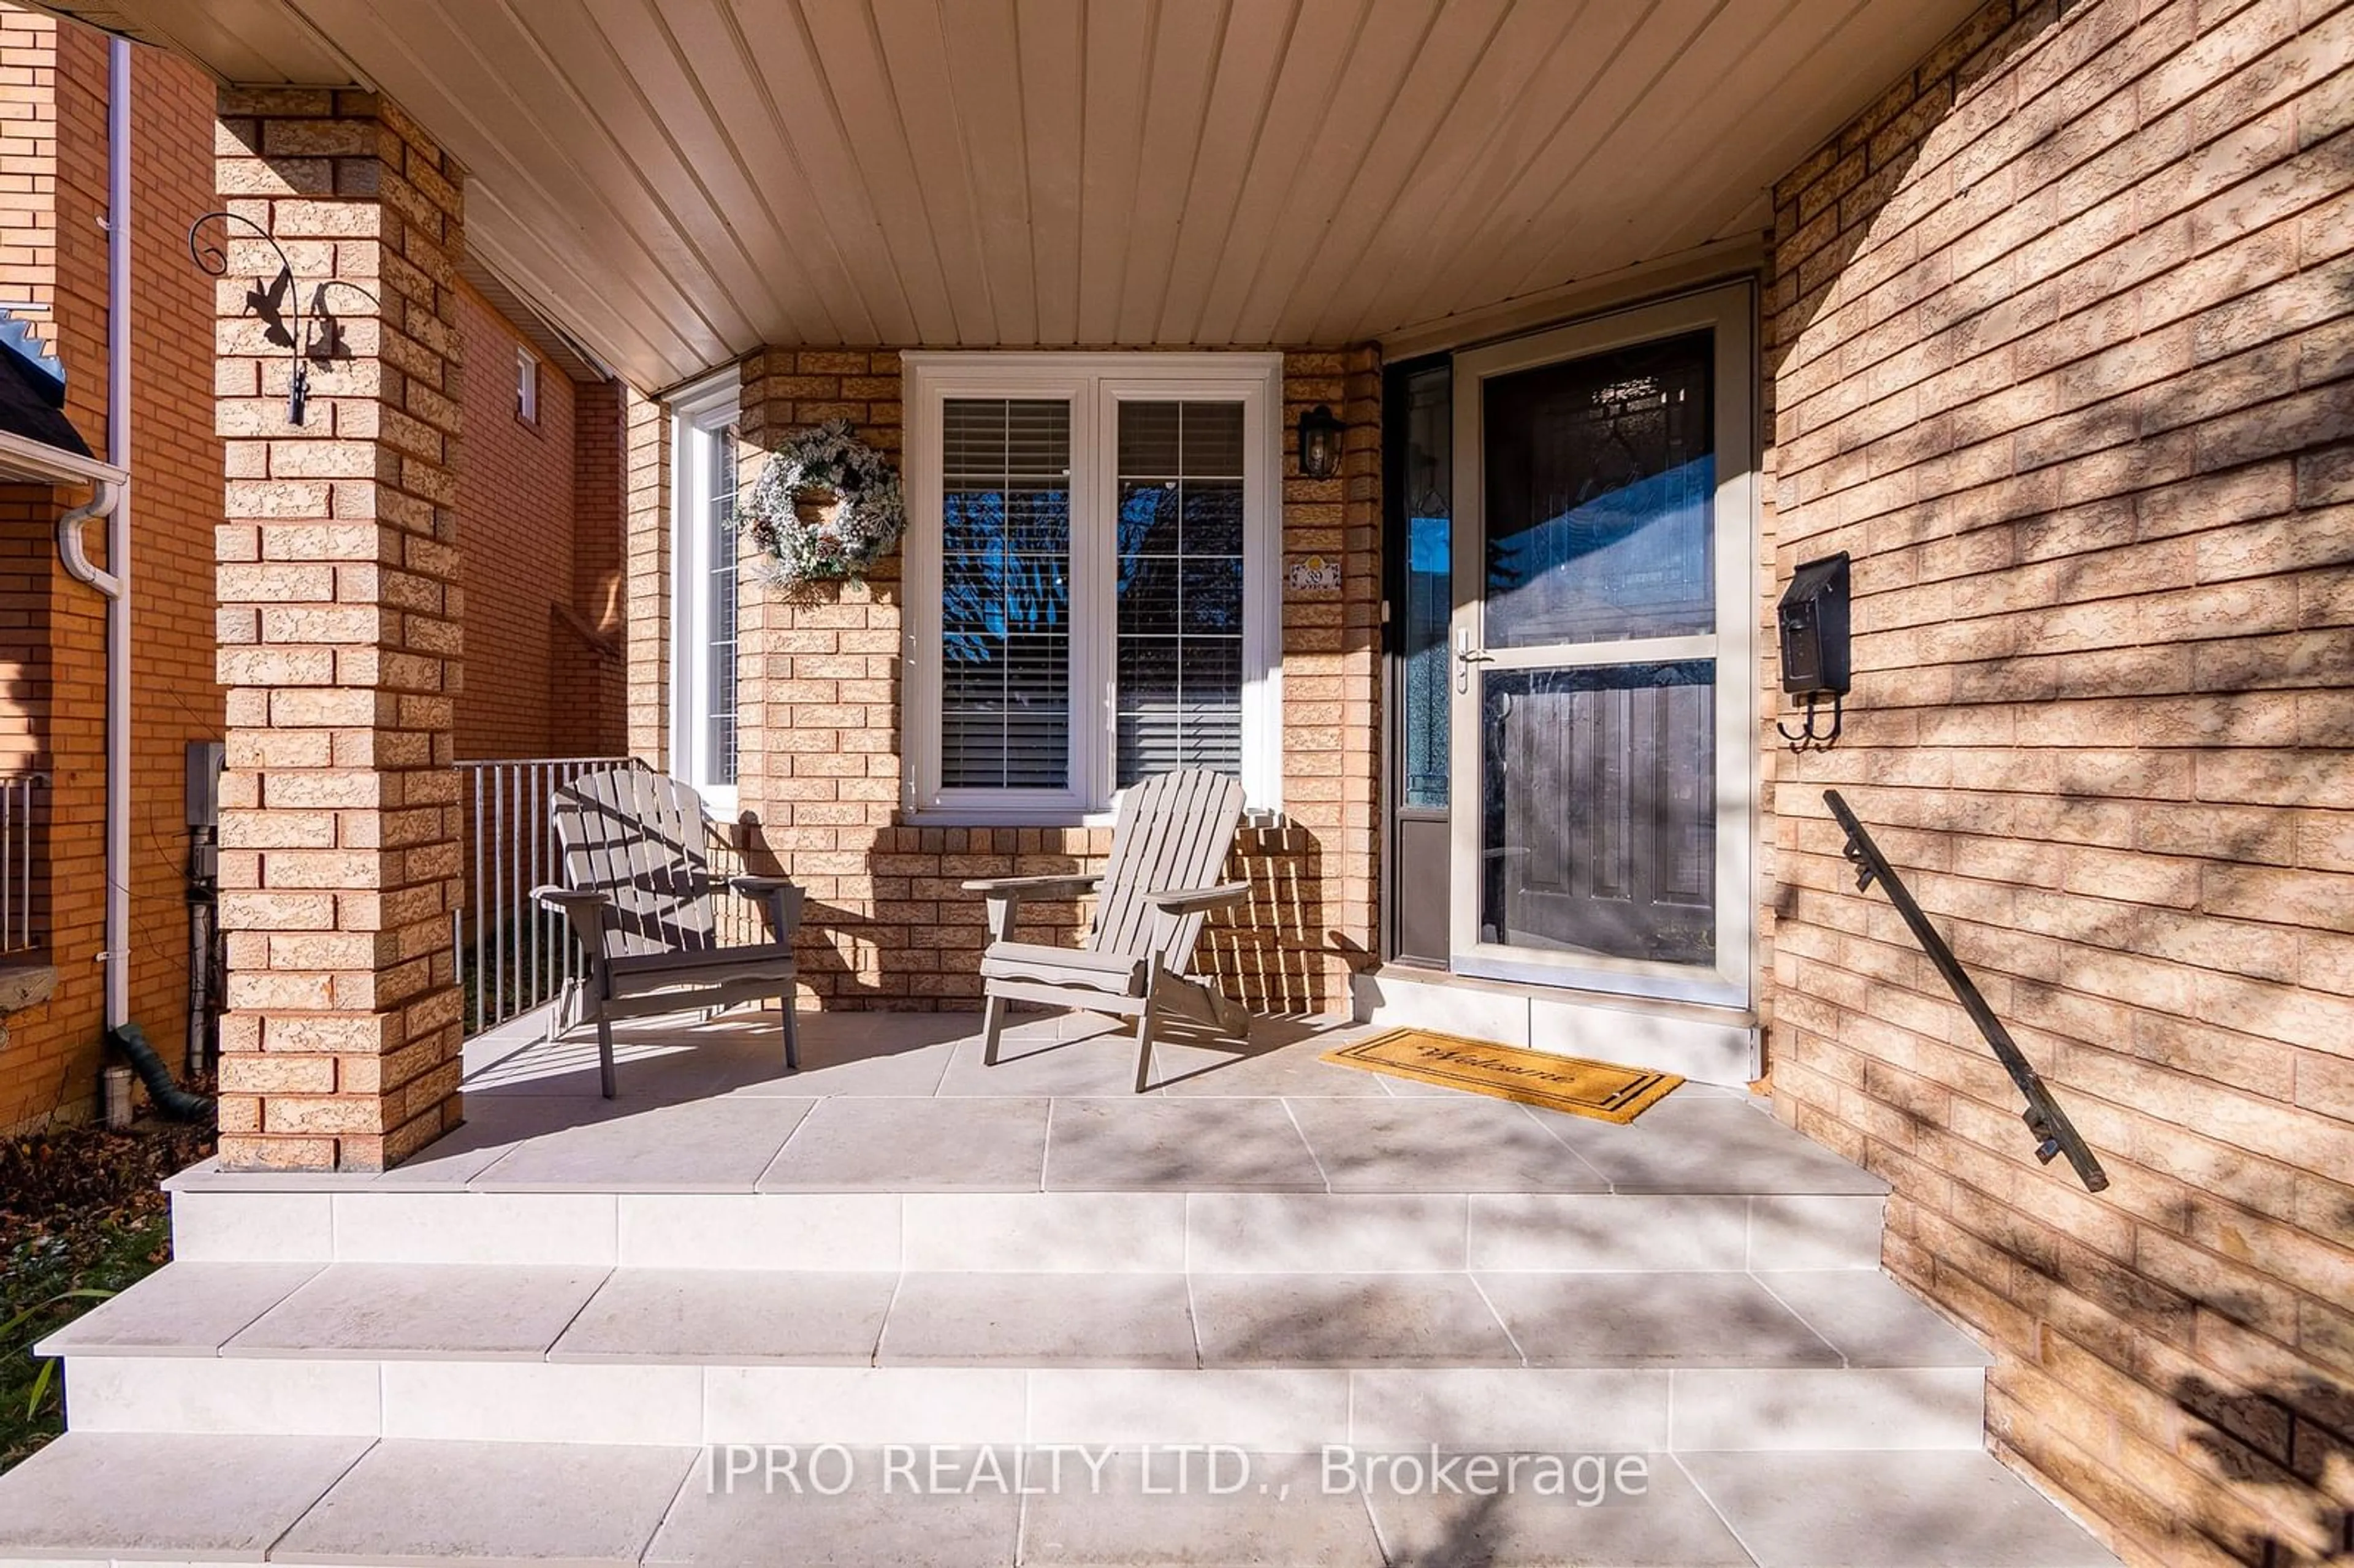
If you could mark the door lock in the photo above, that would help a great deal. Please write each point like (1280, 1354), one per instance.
(1465, 657)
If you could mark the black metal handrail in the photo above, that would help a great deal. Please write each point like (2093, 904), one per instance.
(2055, 1133)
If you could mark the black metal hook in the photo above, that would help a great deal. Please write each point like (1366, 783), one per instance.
(1808, 737)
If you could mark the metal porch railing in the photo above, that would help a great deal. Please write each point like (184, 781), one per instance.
(19, 928)
(2054, 1134)
(511, 955)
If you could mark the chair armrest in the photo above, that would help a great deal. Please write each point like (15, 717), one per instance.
(1004, 895)
(1056, 886)
(1173, 907)
(782, 896)
(587, 910)
(1193, 900)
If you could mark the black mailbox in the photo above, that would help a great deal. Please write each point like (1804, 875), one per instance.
(1812, 619)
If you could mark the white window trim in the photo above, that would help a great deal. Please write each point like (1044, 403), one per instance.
(1095, 385)
(698, 414)
(527, 386)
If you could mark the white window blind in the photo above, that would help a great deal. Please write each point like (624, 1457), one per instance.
(720, 585)
(1179, 681)
(1005, 594)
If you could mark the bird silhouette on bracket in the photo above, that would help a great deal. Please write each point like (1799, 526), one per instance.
(269, 306)
(328, 344)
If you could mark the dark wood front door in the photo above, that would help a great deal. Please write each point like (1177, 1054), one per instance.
(1601, 600)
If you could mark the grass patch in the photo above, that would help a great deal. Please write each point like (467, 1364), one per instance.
(81, 1211)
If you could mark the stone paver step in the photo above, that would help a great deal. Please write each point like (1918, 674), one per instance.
(359, 1503)
(1827, 1317)
(1147, 1233)
(772, 1139)
(1832, 1358)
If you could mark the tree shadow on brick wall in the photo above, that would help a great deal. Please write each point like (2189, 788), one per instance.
(2033, 539)
(2287, 1440)
(1268, 954)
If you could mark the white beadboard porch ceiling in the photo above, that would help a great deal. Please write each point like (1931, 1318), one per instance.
(679, 181)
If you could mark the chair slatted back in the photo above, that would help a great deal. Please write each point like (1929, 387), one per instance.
(1174, 831)
(640, 836)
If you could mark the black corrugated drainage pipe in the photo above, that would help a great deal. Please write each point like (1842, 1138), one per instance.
(162, 1092)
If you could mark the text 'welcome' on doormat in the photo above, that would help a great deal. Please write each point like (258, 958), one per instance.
(1603, 1090)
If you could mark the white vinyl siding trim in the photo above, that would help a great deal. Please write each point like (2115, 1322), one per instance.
(702, 588)
(1095, 388)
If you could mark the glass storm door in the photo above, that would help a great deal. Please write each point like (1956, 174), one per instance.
(1601, 666)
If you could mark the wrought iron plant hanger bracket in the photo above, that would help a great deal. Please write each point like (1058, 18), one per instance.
(315, 336)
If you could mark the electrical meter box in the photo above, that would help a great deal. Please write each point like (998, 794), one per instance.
(204, 775)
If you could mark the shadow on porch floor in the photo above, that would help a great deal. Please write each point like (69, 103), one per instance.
(902, 1102)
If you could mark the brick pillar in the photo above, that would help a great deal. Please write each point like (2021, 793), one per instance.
(339, 649)
(1312, 924)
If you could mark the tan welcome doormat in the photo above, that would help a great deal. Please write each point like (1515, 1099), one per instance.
(1603, 1090)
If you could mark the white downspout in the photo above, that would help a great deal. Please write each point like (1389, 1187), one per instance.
(118, 535)
(113, 501)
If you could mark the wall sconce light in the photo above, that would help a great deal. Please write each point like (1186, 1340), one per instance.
(315, 336)
(1320, 443)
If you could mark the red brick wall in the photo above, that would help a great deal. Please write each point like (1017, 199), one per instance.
(819, 722)
(176, 466)
(527, 536)
(2058, 349)
(51, 1061)
(53, 709)
(587, 689)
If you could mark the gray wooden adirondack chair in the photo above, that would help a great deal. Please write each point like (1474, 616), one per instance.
(1168, 845)
(642, 898)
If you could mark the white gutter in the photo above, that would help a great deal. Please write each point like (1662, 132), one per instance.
(24, 461)
(111, 500)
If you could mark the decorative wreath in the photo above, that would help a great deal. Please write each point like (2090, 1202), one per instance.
(827, 506)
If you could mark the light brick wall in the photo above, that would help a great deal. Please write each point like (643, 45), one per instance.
(645, 555)
(819, 722)
(2059, 350)
(339, 638)
(1299, 951)
(52, 658)
(28, 155)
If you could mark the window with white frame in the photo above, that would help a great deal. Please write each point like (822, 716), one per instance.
(1092, 558)
(527, 386)
(703, 458)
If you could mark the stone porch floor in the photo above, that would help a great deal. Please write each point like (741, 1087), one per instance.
(708, 1106)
